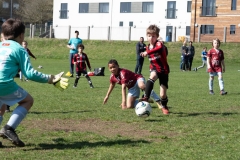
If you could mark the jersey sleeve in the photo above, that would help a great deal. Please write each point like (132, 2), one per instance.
(70, 42)
(158, 46)
(27, 69)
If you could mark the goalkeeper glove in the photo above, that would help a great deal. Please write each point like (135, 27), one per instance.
(58, 81)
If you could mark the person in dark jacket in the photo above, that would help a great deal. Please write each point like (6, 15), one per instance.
(191, 53)
(140, 47)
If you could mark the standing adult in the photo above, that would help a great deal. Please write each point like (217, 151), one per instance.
(191, 53)
(72, 45)
(140, 47)
(184, 49)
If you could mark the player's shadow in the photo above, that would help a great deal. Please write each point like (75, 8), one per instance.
(60, 143)
(62, 112)
(182, 114)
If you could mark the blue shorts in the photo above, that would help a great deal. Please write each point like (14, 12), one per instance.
(14, 97)
(135, 90)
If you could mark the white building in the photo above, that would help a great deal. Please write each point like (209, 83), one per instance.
(121, 19)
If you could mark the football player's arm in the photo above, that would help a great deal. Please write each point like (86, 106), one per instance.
(157, 47)
(111, 87)
(223, 66)
(124, 97)
(88, 63)
(208, 60)
(74, 60)
(28, 71)
(30, 54)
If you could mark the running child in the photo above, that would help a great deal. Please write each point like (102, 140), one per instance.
(216, 66)
(25, 46)
(204, 59)
(159, 69)
(127, 79)
(80, 61)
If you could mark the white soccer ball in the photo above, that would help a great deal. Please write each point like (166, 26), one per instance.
(143, 109)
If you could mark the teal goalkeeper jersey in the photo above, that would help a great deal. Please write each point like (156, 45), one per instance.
(13, 57)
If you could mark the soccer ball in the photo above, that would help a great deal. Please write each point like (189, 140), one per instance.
(143, 109)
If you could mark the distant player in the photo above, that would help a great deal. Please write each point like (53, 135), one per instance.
(159, 69)
(72, 45)
(12, 58)
(25, 46)
(216, 66)
(127, 79)
(80, 59)
(204, 59)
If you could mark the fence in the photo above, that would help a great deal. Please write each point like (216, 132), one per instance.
(132, 33)
(116, 33)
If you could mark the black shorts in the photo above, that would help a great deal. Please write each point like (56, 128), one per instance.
(78, 73)
(163, 79)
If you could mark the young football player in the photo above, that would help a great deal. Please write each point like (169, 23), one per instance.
(216, 66)
(25, 46)
(159, 69)
(127, 79)
(204, 59)
(12, 58)
(80, 61)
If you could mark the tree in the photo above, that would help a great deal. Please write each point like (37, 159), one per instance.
(35, 11)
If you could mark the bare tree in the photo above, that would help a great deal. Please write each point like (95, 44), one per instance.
(35, 11)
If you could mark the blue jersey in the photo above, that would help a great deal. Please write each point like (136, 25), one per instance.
(74, 42)
(204, 55)
(13, 57)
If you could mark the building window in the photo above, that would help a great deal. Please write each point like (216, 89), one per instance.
(171, 10)
(130, 24)
(5, 4)
(207, 29)
(83, 7)
(125, 7)
(64, 11)
(208, 8)
(232, 29)
(103, 7)
(234, 5)
(147, 7)
(15, 5)
(121, 23)
(189, 6)
(187, 30)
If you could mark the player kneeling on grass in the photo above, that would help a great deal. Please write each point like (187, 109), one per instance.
(12, 58)
(128, 79)
(80, 59)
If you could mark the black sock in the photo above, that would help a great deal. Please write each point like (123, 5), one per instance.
(149, 87)
(164, 101)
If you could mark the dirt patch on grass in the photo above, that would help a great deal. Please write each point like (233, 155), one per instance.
(105, 128)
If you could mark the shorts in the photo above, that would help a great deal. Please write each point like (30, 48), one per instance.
(78, 73)
(14, 97)
(135, 90)
(163, 78)
(212, 74)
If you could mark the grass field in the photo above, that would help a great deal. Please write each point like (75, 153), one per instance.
(75, 125)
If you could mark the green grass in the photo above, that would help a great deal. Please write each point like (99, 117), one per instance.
(75, 125)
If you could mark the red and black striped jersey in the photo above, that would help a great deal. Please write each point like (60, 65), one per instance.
(158, 58)
(125, 77)
(81, 60)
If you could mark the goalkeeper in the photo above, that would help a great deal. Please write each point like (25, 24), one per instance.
(13, 57)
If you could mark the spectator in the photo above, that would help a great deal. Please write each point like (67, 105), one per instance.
(183, 50)
(191, 53)
(72, 45)
(140, 47)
